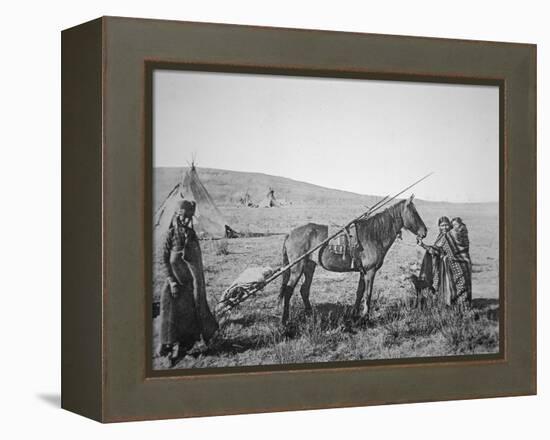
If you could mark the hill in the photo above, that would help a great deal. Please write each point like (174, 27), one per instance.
(227, 187)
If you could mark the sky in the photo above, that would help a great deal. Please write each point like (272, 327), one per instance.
(365, 136)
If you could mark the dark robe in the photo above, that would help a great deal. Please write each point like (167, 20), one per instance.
(185, 316)
(447, 267)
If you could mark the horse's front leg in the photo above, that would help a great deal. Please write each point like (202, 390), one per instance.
(369, 278)
(359, 295)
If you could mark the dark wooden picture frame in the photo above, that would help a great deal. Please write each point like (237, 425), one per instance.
(106, 192)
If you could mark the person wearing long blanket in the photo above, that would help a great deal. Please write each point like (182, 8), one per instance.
(446, 265)
(184, 311)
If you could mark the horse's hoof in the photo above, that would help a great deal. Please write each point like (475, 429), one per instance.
(347, 328)
(165, 350)
(365, 322)
(288, 330)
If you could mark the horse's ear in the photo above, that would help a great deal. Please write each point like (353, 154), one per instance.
(410, 199)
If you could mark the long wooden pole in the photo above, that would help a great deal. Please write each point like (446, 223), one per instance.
(381, 203)
(281, 270)
(375, 207)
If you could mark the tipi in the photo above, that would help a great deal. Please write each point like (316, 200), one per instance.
(246, 201)
(208, 221)
(270, 201)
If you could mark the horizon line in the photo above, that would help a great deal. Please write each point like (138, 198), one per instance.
(321, 186)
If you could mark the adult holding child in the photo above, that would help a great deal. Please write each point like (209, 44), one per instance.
(446, 265)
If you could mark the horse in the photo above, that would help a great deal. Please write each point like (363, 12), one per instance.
(375, 236)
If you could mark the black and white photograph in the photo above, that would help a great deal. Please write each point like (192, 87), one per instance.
(269, 220)
(302, 220)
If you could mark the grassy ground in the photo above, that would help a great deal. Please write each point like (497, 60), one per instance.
(254, 336)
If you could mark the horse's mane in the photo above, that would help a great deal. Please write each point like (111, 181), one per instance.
(383, 225)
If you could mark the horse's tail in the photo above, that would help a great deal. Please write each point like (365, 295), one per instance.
(286, 274)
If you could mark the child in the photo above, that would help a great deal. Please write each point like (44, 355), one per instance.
(460, 232)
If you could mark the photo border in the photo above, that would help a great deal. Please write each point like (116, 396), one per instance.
(150, 66)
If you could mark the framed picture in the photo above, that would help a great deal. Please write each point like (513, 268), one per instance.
(284, 219)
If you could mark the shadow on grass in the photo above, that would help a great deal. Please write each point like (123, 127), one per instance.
(259, 234)
(231, 345)
(488, 307)
(483, 303)
(252, 319)
(325, 317)
(332, 310)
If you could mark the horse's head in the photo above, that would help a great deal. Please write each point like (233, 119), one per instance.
(412, 220)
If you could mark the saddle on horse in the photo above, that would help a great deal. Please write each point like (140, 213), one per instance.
(343, 252)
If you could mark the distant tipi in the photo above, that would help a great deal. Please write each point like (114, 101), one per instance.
(208, 221)
(270, 201)
(246, 201)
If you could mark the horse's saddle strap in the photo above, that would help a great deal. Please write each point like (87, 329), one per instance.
(346, 243)
(351, 233)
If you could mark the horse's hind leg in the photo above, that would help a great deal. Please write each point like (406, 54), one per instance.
(309, 269)
(288, 289)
